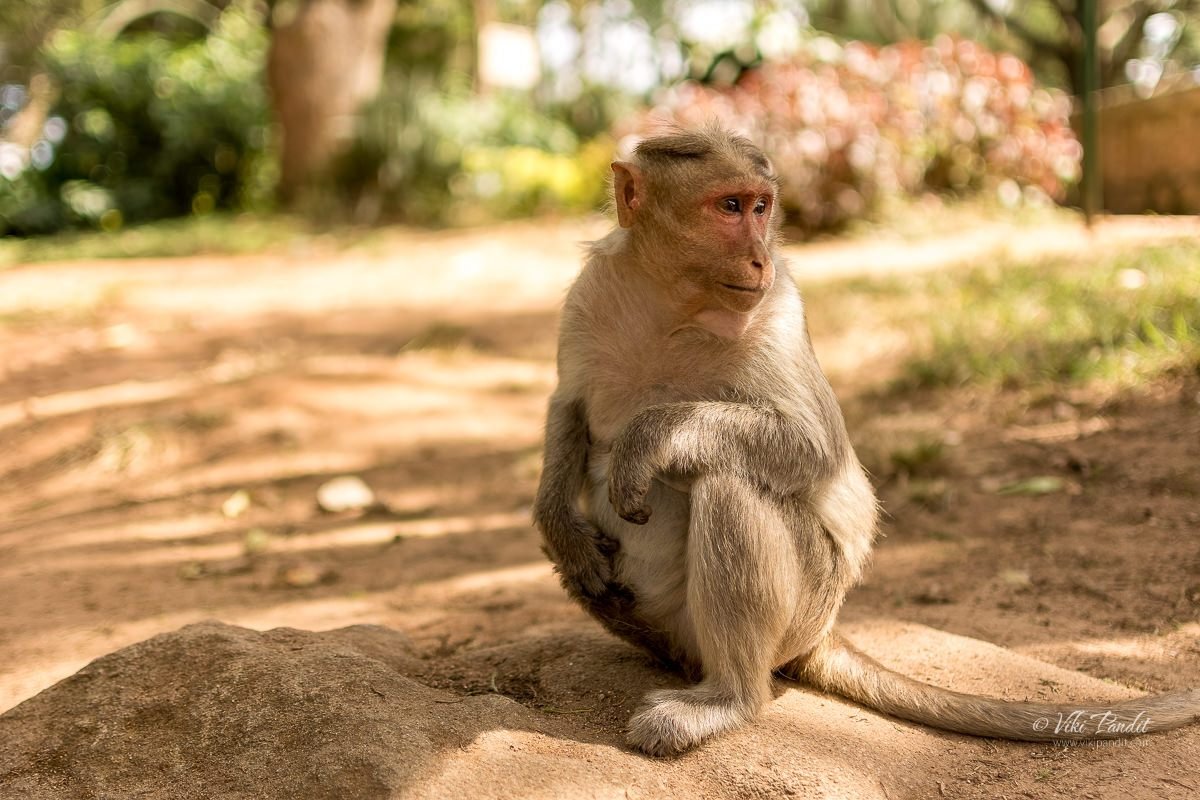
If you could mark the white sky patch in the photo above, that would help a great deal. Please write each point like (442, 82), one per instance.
(619, 51)
(718, 23)
(781, 32)
(1161, 27)
(670, 58)
(557, 37)
(508, 56)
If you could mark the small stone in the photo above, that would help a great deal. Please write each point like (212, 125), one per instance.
(347, 493)
(1017, 578)
(236, 504)
(303, 575)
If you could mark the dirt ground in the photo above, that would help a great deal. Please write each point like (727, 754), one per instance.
(165, 426)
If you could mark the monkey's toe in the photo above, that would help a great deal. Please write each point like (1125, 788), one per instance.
(657, 734)
(589, 582)
(677, 720)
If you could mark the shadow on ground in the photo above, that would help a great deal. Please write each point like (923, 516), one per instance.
(130, 427)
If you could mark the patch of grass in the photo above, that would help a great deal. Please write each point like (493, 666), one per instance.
(124, 449)
(139, 445)
(1130, 316)
(203, 421)
(931, 494)
(440, 336)
(924, 457)
(217, 234)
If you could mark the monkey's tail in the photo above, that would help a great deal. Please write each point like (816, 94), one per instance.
(838, 667)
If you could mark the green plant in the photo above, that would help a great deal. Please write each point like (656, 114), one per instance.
(146, 128)
(924, 457)
(1124, 318)
(442, 157)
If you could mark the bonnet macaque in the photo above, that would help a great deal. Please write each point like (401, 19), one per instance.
(700, 496)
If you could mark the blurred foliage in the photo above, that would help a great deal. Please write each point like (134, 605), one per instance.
(1129, 317)
(849, 125)
(145, 128)
(431, 40)
(455, 157)
(166, 121)
(25, 23)
(1139, 41)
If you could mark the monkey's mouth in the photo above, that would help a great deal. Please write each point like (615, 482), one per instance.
(742, 289)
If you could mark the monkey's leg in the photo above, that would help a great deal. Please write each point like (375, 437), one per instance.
(741, 598)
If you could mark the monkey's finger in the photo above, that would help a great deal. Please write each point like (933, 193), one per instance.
(638, 516)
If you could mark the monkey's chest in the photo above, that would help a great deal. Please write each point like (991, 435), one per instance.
(616, 392)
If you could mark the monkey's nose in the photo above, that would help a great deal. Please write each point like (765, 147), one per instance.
(756, 264)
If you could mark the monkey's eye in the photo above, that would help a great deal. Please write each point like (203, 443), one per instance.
(732, 205)
(760, 207)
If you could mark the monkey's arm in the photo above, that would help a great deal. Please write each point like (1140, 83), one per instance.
(784, 451)
(579, 550)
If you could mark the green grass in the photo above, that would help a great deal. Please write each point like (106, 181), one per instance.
(1021, 325)
(440, 336)
(924, 457)
(218, 234)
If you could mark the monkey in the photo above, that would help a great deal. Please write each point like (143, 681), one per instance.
(700, 496)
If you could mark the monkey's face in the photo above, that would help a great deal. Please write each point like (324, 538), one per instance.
(704, 221)
(725, 236)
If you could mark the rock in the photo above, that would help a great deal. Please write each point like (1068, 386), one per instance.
(215, 711)
(347, 493)
(218, 711)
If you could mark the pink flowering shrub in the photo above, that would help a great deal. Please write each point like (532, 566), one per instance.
(846, 125)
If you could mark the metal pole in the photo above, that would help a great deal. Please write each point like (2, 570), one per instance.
(1090, 188)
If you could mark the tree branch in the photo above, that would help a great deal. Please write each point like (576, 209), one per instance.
(1039, 43)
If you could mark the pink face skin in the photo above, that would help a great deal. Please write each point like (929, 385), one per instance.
(737, 218)
(721, 293)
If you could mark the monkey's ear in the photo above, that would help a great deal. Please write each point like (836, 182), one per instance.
(628, 191)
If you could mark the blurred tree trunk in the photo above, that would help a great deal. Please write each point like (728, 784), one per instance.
(325, 61)
(483, 12)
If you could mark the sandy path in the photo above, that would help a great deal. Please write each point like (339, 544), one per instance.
(136, 397)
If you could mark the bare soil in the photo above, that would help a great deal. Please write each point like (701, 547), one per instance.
(138, 399)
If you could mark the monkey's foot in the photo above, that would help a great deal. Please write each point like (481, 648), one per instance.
(675, 720)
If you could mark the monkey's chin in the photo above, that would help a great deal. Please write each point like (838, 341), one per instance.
(740, 301)
(723, 323)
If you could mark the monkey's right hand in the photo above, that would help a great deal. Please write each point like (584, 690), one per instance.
(582, 554)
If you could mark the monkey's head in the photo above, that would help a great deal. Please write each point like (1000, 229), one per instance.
(700, 208)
